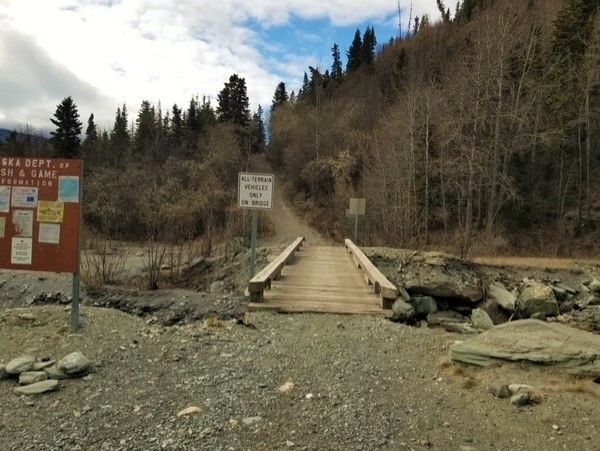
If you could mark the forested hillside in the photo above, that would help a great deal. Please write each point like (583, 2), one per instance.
(481, 132)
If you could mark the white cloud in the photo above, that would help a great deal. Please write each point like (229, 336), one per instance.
(108, 51)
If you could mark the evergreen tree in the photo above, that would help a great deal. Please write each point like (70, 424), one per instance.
(280, 97)
(445, 12)
(120, 136)
(573, 28)
(208, 117)
(258, 132)
(91, 132)
(65, 138)
(193, 122)
(293, 97)
(176, 125)
(368, 46)
(416, 26)
(233, 102)
(337, 71)
(146, 131)
(304, 90)
(355, 53)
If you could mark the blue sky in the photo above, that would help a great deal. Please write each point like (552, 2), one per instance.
(126, 51)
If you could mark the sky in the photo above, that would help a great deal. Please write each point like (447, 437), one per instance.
(107, 52)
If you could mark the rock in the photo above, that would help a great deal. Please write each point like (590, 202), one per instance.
(520, 399)
(74, 363)
(38, 388)
(424, 305)
(286, 388)
(289, 443)
(249, 421)
(541, 316)
(192, 410)
(447, 316)
(403, 293)
(54, 373)
(20, 364)
(481, 320)
(38, 366)
(441, 276)
(495, 311)
(500, 391)
(498, 293)
(519, 388)
(594, 285)
(459, 328)
(402, 311)
(31, 377)
(537, 298)
(3, 373)
(217, 287)
(534, 341)
(309, 396)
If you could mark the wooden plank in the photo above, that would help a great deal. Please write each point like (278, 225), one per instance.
(263, 279)
(381, 284)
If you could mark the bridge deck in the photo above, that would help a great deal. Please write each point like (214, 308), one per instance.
(322, 279)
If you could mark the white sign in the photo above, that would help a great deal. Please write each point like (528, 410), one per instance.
(255, 191)
(21, 251)
(24, 197)
(357, 206)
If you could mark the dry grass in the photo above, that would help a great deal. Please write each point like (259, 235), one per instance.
(529, 262)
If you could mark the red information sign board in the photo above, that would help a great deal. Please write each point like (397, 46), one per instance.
(40, 214)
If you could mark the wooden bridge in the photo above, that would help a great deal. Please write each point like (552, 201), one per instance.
(321, 279)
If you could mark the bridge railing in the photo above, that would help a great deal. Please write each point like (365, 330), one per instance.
(381, 285)
(262, 281)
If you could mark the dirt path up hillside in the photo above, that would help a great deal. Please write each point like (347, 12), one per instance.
(287, 225)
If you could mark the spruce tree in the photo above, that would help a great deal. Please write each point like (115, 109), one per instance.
(120, 136)
(91, 132)
(176, 125)
(258, 132)
(337, 71)
(233, 102)
(367, 54)
(280, 97)
(146, 131)
(65, 138)
(355, 53)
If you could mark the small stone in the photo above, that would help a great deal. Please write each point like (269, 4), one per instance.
(38, 388)
(31, 377)
(26, 316)
(192, 410)
(233, 422)
(286, 388)
(74, 363)
(54, 373)
(520, 399)
(38, 366)
(555, 427)
(309, 396)
(249, 421)
(481, 320)
(402, 311)
(424, 305)
(519, 388)
(20, 364)
(446, 424)
(289, 443)
(500, 391)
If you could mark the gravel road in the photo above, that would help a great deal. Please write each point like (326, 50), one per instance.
(360, 383)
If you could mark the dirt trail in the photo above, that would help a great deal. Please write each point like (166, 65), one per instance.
(286, 224)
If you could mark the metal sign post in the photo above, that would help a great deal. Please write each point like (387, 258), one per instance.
(255, 192)
(357, 208)
(75, 315)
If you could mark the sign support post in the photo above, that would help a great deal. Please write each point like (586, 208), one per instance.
(355, 228)
(357, 208)
(253, 243)
(75, 315)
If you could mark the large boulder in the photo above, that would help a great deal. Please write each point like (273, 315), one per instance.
(402, 311)
(537, 298)
(441, 276)
(498, 293)
(534, 341)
